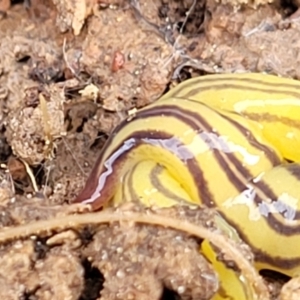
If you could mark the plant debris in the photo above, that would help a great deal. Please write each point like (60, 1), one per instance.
(129, 250)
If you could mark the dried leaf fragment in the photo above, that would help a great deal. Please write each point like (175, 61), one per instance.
(73, 13)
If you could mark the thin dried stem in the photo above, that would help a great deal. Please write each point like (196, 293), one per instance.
(107, 216)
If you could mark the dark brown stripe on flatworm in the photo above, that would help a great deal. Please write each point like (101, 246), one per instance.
(139, 138)
(181, 114)
(125, 178)
(266, 117)
(194, 121)
(220, 83)
(277, 261)
(269, 152)
(261, 256)
(132, 193)
(92, 180)
(195, 170)
(156, 171)
(294, 169)
(274, 223)
(194, 92)
(191, 163)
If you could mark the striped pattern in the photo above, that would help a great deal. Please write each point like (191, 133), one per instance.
(270, 100)
(217, 140)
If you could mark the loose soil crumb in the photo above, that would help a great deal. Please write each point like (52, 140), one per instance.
(56, 276)
(129, 262)
(33, 128)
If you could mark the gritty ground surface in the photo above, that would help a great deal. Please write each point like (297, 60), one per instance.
(72, 70)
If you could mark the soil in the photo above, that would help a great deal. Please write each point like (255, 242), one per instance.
(70, 71)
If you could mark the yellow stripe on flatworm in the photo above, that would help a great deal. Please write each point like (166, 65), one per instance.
(272, 101)
(251, 220)
(267, 107)
(137, 185)
(226, 137)
(284, 180)
(240, 211)
(231, 285)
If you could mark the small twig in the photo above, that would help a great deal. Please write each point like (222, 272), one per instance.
(195, 64)
(67, 62)
(30, 174)
(263, 26)
(187, 16)
(47, 178)
(108, 216)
